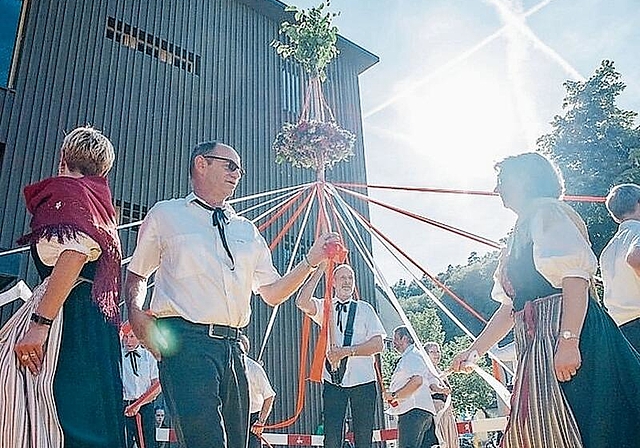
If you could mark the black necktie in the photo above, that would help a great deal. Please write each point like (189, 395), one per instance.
(219, 220)
(340, 309)
(133, 356)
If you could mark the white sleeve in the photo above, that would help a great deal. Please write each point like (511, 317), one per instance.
(49, 251)
(318, 316)
(497, 292)
(265, 272)
(559, 248)
(146, 256)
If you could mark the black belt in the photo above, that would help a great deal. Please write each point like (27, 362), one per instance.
(215, 331)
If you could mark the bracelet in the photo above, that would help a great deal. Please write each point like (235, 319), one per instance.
(353, 351)
(41, 320)
(308, 263)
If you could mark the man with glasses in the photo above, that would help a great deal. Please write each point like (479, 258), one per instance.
(207, 261)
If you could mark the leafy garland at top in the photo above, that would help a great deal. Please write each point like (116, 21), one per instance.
(311, 39)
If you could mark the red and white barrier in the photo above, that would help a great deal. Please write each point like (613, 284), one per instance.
(276, 439)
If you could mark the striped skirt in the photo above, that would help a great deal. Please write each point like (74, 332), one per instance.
(540, 414)
(28, 417)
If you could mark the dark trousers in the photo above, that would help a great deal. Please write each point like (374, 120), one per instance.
(147, 420)
(413, 427)
(254, 441)
(631, 331)
(363, 406)
(205, 386)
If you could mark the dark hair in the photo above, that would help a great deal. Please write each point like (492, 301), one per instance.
(540, 175)
(403, 332)
(199, 150)
(622, 200)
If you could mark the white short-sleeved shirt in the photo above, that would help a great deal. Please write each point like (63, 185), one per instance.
(134, 386)
(413, 363)
(366, 324)
(259, 386)
(621, 283)
(194, 277)
(559, 250)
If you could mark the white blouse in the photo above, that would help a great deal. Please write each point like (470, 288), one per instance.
(49, 251)
(559, 249)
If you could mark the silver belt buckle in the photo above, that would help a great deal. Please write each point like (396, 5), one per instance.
(211, 334)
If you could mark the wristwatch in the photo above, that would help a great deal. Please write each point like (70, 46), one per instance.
(568, 334)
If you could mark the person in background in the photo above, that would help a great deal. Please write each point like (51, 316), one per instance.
(572, 358)
(353, 376)
(140, 388)
(445, 428)
(261, 395)
(620, 262)
(410, 394)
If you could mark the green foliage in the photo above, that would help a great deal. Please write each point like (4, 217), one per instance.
(311, 40)
(596, 144)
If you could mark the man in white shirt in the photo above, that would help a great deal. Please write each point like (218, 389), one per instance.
(140, 387)
(409, 393)
(207, 261)
(353, 377)
(261, 395)
(620, 262)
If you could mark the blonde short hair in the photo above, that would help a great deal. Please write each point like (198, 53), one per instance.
(87, 151)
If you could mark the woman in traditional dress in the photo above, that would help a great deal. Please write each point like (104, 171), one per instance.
(445, 422)
(578, 379)
(74, 314)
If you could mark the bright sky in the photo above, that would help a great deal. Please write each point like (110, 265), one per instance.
(462, 84)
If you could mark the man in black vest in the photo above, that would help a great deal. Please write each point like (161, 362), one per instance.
(349, 374)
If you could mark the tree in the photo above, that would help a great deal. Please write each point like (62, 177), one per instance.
(596, 144)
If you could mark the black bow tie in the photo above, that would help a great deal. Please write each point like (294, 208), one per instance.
(219, 220)
(340, 309)
(133, 356)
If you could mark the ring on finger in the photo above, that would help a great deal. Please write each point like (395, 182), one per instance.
(24, 357)
(33, 354)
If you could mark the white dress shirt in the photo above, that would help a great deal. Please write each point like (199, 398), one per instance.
(621, 283)
(134, 386)
(259, 386)
(413, 363)
(366, 324)
(194, 277)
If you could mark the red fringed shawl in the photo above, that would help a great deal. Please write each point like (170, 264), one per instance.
(63, 206)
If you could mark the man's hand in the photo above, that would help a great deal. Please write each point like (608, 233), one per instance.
(318, 252)
(257, 428)
(131, 410)
(567, 359)
(30, 349)
(144, 327)
(335, 355)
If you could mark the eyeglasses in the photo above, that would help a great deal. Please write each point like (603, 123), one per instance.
(232, 166)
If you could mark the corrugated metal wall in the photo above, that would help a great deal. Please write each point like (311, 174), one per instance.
(73, 71)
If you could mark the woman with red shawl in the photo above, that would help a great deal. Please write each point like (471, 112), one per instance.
(65, 382)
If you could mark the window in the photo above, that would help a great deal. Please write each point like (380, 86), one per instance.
(10, 39)
(160, 49)
(130, 212)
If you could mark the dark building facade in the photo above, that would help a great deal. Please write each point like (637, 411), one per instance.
(157, 77)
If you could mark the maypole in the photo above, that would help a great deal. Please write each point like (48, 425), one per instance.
(314, 142)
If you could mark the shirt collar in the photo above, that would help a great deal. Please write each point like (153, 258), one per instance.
(628, 223)
(228, 210)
